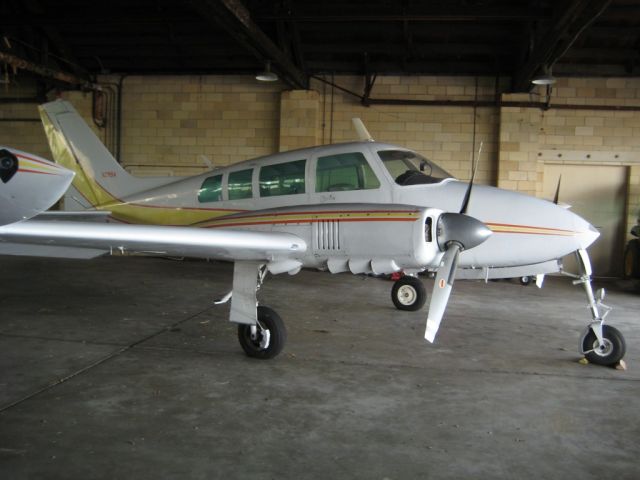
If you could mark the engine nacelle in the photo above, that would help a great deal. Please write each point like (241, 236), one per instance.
(360, 238)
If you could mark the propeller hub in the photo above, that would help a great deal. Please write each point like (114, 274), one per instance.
(461, 229)
(8, 165)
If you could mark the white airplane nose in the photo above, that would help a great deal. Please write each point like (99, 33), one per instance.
(526, 230)
(588, 236)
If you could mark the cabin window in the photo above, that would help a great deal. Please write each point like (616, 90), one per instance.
(410, 168)
(282, 179)
(240, 184)
(211, 190)
(345, 171)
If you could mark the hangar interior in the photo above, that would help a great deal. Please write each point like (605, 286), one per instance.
(171, 89)
(177, 85)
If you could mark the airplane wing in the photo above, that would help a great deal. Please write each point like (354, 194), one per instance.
(89, 239)
(74, 216)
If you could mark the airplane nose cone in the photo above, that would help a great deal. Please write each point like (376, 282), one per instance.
(588, 236)
(526, 230)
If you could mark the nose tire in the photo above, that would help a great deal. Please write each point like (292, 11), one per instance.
(408, 294)
(612, 351)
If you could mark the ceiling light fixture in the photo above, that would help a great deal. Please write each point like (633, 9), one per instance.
(545, 78)
(267, 75)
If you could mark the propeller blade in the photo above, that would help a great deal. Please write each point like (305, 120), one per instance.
(442, 290)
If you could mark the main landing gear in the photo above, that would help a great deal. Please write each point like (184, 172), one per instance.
(261, 332)
(408, 293)
(601, 344)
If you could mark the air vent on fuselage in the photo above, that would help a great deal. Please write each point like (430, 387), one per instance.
(327, 235)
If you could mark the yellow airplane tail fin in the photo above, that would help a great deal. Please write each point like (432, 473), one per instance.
(99, 177)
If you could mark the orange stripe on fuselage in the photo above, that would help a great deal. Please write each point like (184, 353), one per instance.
(309, 220)
(528, 229)
(26, 170)
(42, 162)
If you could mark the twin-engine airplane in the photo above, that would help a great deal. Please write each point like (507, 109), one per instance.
(362, 207)
(29, 185)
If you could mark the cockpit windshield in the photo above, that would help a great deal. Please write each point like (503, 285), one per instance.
(410, 168)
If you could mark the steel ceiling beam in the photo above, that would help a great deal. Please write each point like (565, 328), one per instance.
(46, 72)
(235, 19)
(434, 14)
(564, 30)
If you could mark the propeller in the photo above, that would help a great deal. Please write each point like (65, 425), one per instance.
(455, 232)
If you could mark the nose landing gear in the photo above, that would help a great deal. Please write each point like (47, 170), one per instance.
(601, 344)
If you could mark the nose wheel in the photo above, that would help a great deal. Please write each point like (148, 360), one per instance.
(266, 339)
(610, 352)
(408, 294)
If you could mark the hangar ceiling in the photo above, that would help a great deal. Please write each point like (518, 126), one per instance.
(74, 41)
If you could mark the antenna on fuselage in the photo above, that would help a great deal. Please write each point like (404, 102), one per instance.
(556, 197)
(467, 195)
(361, 130)
(207, 161)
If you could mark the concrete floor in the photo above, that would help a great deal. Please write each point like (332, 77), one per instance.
(121, 368)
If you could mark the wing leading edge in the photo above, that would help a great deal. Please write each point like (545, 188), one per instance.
(277, 249)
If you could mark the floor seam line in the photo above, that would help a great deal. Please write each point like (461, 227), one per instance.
(100, 361)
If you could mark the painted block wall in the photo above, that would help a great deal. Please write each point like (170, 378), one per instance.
(170, 122)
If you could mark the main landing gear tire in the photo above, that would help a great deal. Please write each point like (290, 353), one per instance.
(259, 345)
(525, 280)
(408, 294)
(610, 353)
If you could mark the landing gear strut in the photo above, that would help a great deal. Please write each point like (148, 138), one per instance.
(601, 344)
(261, 331)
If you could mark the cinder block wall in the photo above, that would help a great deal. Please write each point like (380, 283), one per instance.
(170, 122)
(531, 137)
(20, 125)
(442, 133)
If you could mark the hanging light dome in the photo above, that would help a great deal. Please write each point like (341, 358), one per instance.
(544, 78)
(267, 75)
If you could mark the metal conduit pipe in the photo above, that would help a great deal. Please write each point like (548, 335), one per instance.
(475, 104)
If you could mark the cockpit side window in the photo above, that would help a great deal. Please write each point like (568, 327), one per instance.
(211, 190)
(410, 168)
(344, 171)
(282, 179)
